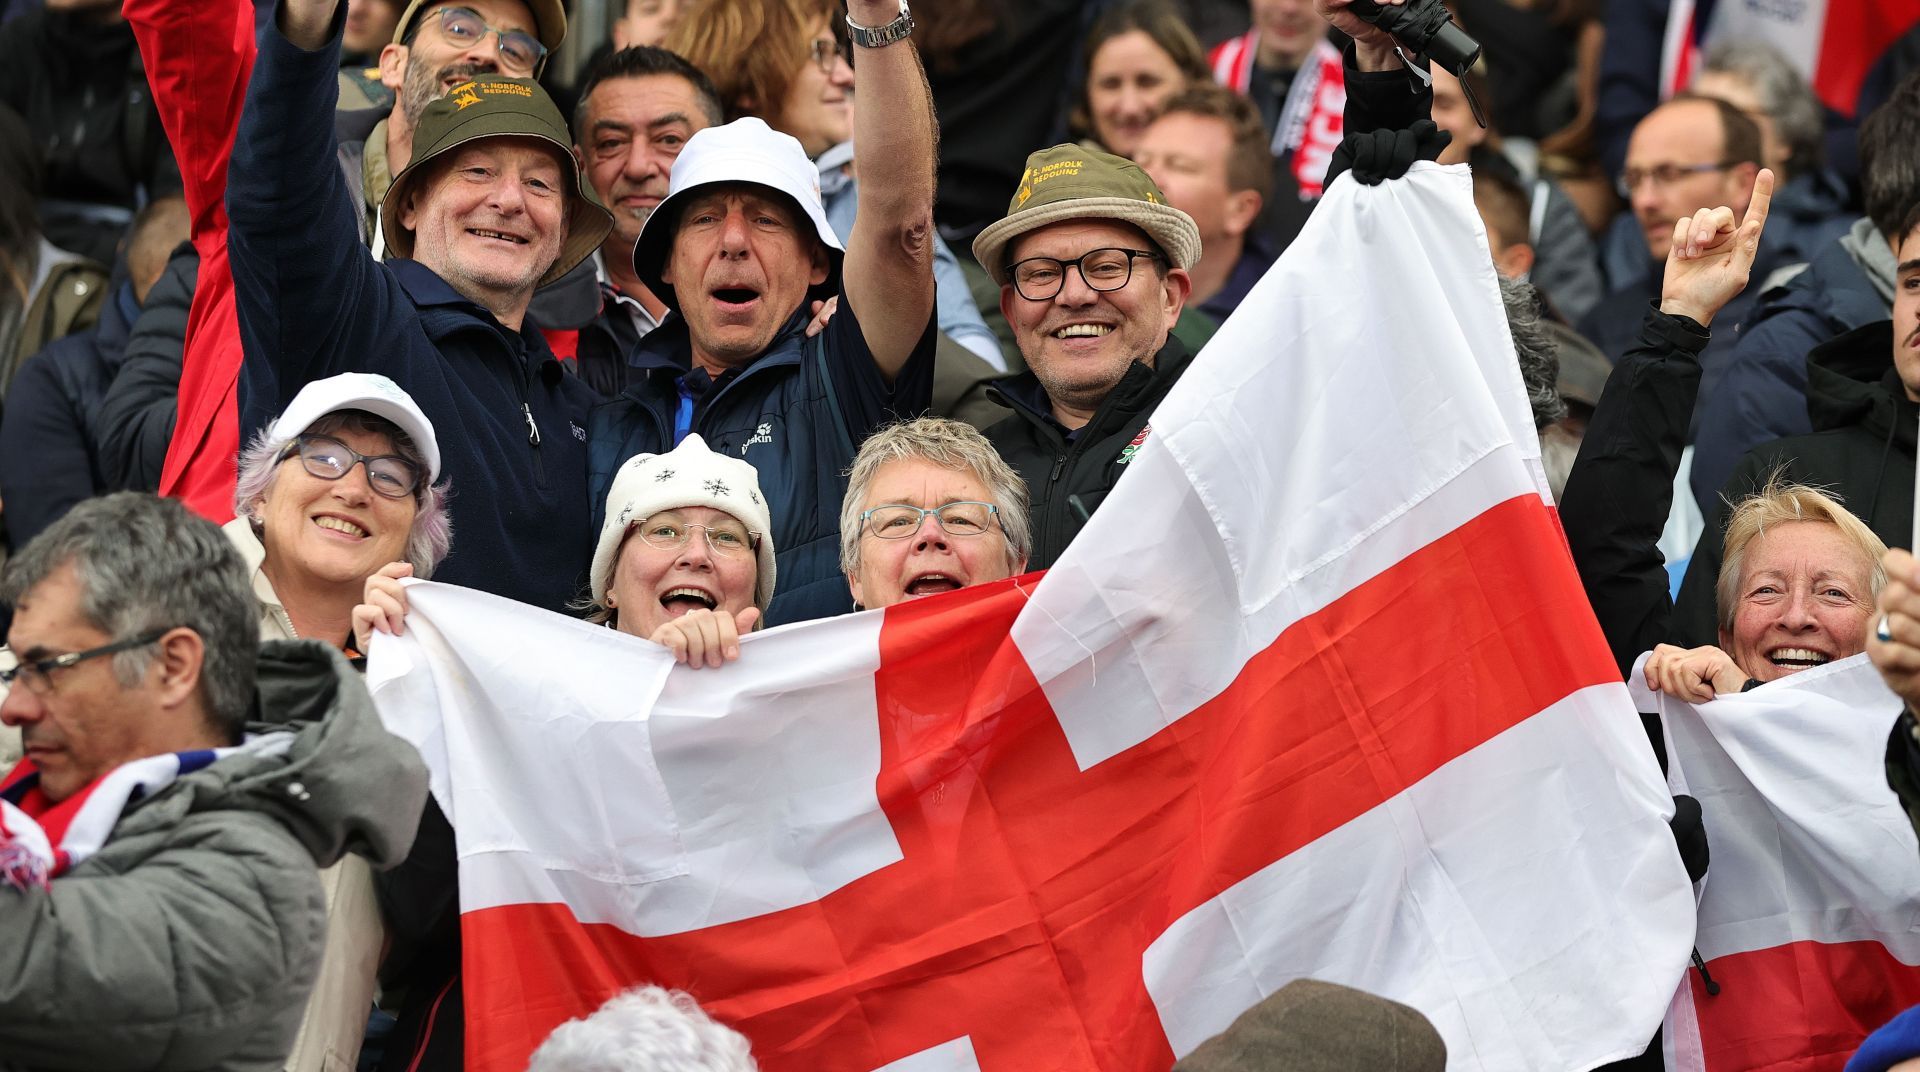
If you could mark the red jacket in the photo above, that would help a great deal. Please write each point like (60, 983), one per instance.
(198, 57)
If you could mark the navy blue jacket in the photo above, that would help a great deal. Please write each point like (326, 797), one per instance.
(798, 414)
(1763, 396)
(49, 454)
(312, 303)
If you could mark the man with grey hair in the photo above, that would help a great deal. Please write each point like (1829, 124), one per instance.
(159, 903)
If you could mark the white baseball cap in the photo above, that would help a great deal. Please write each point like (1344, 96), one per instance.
(366, 391)
(688, 475)
(745, 150)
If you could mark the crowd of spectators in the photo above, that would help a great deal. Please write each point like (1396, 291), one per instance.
(635, 335)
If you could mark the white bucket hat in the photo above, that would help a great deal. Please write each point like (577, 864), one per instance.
(688, 475)
(366, 391)
(745, 150)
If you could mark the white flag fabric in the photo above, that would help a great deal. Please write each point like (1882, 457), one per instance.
(1810, 910)
(1315, 693)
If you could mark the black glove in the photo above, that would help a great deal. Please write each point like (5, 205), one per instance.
(1377, 155)
(1690, 835)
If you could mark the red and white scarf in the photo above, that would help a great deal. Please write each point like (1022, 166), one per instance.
(40, 840)
(1311, 119)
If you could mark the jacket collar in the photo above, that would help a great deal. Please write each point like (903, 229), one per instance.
(1852, 380)
(669, 347)
(429, 292)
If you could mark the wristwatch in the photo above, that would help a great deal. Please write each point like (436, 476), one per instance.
(897, 30)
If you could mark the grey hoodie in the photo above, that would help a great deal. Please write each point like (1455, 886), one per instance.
(190, 940)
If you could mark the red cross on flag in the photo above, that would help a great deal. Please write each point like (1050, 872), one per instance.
(1316, 693)
(1808, 910)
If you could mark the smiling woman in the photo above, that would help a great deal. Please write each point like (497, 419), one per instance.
(1795, 591)
(335, 490)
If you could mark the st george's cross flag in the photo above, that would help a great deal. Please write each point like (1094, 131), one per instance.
(1315, 693)
(1810, 909)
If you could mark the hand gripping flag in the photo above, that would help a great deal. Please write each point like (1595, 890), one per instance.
(1315, 693)
(1810, 911)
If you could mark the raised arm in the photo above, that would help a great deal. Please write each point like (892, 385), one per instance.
(1621, 487)
(889, 264)
(311, 300)
(305, 23)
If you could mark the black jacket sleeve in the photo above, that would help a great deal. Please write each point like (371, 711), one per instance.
(137, 414)
(1621, 487)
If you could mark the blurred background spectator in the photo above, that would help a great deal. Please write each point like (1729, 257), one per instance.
(72, 72)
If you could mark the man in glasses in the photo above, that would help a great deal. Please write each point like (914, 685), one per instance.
(159, 902)
(489, 206)
(1092, 264)
(438, 44)
(1688, 154)
(638, 108)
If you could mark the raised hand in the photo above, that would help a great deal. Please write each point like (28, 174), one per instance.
(1893, 637)
(1372, 46)
(1710, 257)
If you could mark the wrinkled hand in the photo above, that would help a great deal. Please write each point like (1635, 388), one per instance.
(1372, 46)
(1695, 675)
(1375, 156)
(1898, 660)
(822, 312)
(706, 637)
(1710, 258)
(383, 606)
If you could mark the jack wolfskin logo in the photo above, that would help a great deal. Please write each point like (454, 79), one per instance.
(762, 434)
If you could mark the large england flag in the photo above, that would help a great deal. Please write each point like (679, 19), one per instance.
(1810, 911)
(1316, 693)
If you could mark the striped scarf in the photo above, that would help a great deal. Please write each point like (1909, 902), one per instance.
(41, 839)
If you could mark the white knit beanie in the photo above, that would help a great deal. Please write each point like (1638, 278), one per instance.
(687, 475)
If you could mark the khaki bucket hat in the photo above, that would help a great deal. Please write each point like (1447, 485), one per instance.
(1073, 182)
(549, 21)
(492, 106)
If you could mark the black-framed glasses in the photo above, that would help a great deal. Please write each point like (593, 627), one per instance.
(671, 534)
(389, 475)
(520, 52)
(37, 674)
(1663, 175)
(898, 521)
(1040, 278)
